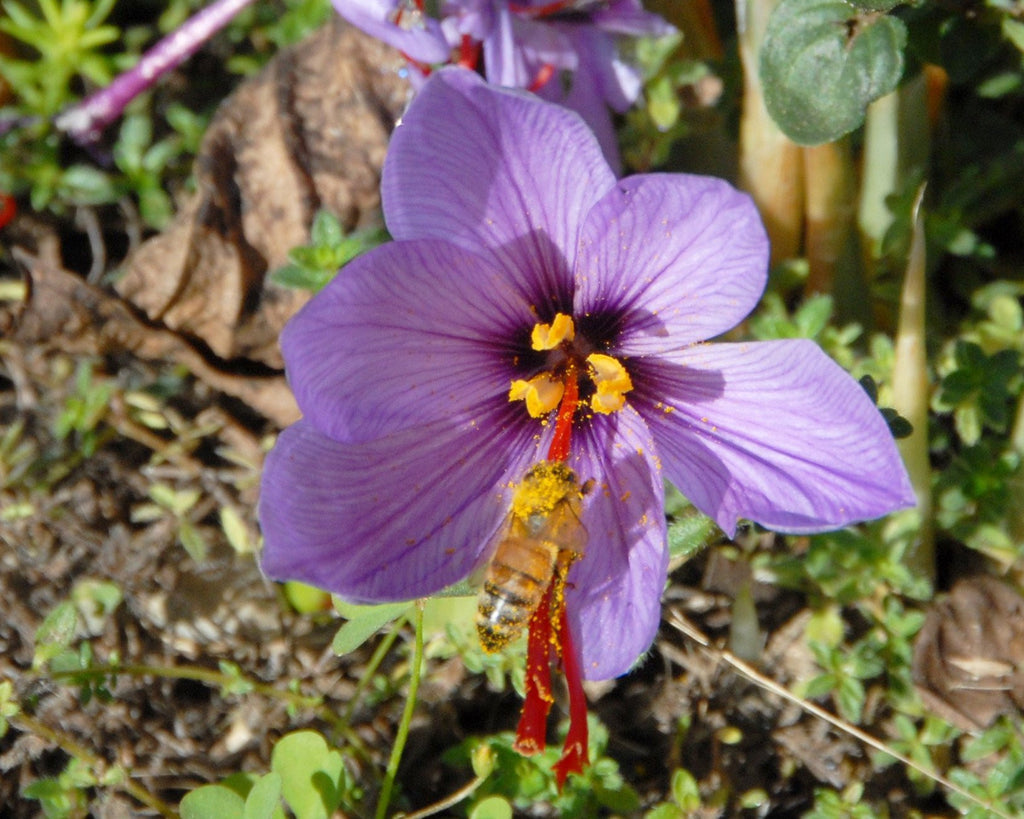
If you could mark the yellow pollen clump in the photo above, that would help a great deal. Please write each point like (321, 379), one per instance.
(541, 393)
(550, 336)
(612, 382)
(545, 486)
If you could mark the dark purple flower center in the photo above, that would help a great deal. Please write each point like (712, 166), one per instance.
(565, 355)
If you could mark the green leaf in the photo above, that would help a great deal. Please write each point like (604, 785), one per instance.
(235, 530)
(85, 185)
(212, 802)
(450, 613)
(192, 540)
(493, 807)
(306, 599)
(364, 622)
(688, 535)
(823, 62)
(264, 798)
(819, 686)
(55, 633)
(850, 698)
(813, 315)
(311, 774)
(826, 626)
(308, 767)
(326, 229)
(1013, 30)
(666, 811)
(685, 790)
(301, 278)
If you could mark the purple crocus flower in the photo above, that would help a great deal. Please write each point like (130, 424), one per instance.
(402, 24)
(532, 44)
(509, 226)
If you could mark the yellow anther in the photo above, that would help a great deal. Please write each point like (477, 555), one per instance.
(541, 393)
(549, 336)
(611, 382)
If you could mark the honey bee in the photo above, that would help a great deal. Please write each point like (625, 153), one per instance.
(544, 535)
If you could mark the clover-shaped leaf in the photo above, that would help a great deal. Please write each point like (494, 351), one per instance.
(312, 774)
(823, 61)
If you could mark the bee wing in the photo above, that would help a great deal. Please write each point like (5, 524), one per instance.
(564, 527)
(511, 527)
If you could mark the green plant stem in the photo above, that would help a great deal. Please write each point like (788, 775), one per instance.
(98, 765)
(371, 667)
(403, 727)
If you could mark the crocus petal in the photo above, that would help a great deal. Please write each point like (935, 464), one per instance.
(473, 18)
(773, 431)
(614, 595)
(587, 99)
(616, 82)
(517, 50)
(628, 17)
(421, 40)
(500, 172)
(396, 518)
(408, 333)
(675, 258)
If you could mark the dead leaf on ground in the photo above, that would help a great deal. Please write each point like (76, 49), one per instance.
(309, 132)
(62, 310)
(969, 656)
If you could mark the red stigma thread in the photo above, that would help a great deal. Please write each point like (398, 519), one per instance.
(469, 52)
(547, 10)
(550, 639)
(546, 72)
(531, 733)
(559, 450)
(574, 751)
(7, 209)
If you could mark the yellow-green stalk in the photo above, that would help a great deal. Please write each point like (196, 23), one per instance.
(830, 234)
(770, 164)
(896, 147)
(911, 392)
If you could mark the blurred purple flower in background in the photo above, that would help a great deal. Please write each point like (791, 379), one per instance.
(402, 24)
(566, 51)
(509, 223)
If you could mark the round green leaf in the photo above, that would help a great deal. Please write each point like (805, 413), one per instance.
(823, 62)
(312, 775)
(876, 5)
(492, 807)
(265, 797)
(212, 802)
